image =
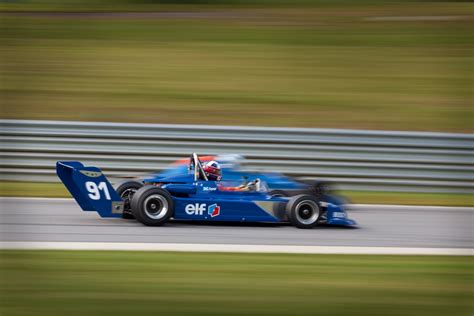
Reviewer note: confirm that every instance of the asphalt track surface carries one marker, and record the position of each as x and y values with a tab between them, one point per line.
61	220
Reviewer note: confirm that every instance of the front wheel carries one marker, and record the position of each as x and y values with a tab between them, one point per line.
152	206
303	211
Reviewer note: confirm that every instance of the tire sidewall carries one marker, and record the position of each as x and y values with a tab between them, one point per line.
138	207
291	210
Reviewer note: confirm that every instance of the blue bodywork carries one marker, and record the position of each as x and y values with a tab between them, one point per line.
274	181
82	182
207	203
193	199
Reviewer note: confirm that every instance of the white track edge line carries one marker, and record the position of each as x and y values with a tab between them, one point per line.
236	248
32	198
412	207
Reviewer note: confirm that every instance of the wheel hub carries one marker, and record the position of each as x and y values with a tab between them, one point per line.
307	212
156	206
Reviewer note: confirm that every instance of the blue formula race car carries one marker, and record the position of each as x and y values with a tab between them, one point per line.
232	170
193	196
277	183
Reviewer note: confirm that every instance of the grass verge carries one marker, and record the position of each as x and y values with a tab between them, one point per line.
408	198
327	64
166	283
43	189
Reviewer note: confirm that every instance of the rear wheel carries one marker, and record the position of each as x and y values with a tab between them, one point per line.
303	211
126	189
152	206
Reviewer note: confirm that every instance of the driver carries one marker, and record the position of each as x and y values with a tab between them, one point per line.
212	169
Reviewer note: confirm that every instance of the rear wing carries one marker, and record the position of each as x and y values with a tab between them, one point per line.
90	188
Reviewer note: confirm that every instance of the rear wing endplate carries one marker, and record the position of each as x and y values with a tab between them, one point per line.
90	188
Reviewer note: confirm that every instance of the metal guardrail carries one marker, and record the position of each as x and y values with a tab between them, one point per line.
355	159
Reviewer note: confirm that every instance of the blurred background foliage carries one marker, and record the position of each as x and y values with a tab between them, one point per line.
404	65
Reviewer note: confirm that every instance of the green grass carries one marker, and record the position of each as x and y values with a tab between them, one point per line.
119	283
163	5
317	66
33	189
39	189
407	198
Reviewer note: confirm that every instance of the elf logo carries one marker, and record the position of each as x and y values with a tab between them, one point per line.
195	209
199	208
214	210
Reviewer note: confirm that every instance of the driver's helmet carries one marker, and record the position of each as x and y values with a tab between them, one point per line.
212	169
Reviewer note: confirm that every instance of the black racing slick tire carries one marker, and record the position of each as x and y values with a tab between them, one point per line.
317	188
152	206
303	211
321	188
126	190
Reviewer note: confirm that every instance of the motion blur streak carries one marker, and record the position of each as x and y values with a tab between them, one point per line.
344	64
339	64
235	248
51	220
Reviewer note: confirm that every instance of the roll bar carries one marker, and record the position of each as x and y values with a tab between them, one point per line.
195	164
